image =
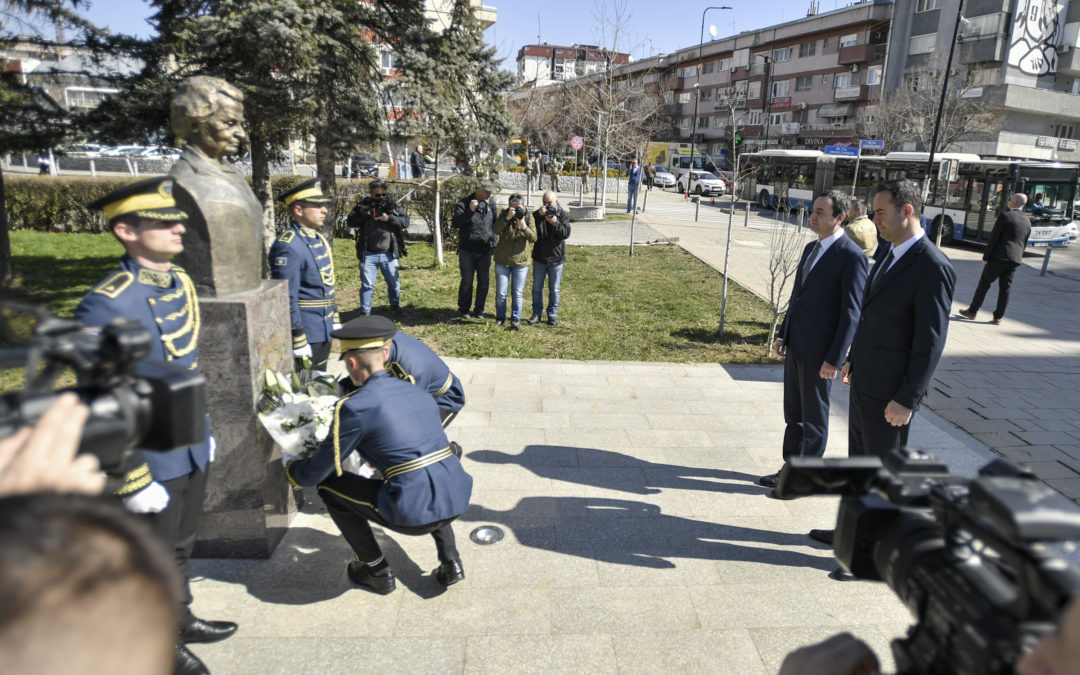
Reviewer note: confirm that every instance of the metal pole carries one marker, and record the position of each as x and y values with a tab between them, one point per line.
941	101
596	184
855	178
746	218
645	202
697	208
697	96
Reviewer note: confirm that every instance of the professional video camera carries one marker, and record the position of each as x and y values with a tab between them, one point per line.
133	402
968	557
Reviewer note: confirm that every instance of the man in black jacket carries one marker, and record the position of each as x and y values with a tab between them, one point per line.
379	223
1003	254
474	218
549	254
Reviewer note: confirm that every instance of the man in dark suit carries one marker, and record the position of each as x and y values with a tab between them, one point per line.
902	330
1003	254
818	327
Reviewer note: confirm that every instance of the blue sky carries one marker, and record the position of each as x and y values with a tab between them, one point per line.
652	26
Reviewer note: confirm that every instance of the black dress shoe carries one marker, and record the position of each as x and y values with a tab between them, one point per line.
768	481
186	663
823	536
197	630
381	582
841	574
552	321
455	448
773	494
449	573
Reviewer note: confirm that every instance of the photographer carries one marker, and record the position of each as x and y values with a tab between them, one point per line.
512	260
146	287
474	218
549	254
380	224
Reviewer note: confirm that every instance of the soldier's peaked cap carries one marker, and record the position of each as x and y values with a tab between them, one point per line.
151	199
309	191
364	332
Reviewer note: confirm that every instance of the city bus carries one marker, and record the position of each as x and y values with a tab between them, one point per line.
964	209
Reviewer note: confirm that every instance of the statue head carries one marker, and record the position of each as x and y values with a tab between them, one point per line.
208	112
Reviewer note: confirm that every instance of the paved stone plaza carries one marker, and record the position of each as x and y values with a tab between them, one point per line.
636	538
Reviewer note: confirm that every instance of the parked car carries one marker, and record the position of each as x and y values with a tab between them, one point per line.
664	178
84	150
363	166
163	152
701	183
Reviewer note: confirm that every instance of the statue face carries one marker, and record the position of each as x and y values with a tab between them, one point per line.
222	133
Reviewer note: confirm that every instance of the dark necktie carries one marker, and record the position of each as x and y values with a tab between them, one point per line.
881	272
810	260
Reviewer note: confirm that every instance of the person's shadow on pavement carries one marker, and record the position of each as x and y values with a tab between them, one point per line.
618	471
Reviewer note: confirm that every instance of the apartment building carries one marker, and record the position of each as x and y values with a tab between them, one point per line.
546	64
806	83
1020	58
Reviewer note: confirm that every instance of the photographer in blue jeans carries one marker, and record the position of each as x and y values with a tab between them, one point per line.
474	218
380	224
516	234
549	254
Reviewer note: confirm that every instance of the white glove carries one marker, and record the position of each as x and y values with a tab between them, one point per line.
302	352
213	448
151	499
337	325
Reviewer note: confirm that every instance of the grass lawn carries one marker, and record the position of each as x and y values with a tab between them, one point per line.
659	305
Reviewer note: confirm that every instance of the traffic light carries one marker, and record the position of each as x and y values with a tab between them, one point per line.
738	139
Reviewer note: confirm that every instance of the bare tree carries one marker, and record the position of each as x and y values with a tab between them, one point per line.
908	114
785	250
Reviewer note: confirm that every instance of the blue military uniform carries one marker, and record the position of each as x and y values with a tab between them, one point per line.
302	257
393	424
413	361
164	302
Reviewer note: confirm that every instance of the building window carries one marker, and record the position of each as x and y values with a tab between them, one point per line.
986	24
689	71
781	88
669	97
388	61
754	90
703	122
807	48
724	65
925	5
873	75
706	94
684	97
782	54
778	118
842	80
754	117
1064	130
707	68
849	40
805	83
922	44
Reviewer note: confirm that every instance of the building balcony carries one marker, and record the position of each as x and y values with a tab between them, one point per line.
860	54
1069	62
1029	146
850	93
1047	102
485	14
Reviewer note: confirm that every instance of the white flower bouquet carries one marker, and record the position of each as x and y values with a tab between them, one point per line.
297	411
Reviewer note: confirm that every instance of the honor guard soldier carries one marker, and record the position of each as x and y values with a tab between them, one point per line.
302	256
413	361
394	426
147	287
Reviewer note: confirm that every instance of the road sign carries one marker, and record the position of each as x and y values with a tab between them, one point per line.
841	150
949	170
576	142
872	144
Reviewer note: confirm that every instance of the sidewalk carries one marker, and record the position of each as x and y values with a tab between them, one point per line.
636	541
1013	387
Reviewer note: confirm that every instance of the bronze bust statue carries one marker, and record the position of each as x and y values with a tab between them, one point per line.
223	245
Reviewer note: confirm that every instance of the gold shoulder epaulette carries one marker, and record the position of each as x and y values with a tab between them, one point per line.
115	285
286	237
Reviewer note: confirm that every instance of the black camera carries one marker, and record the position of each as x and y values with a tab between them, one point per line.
134	402
970	558
519	213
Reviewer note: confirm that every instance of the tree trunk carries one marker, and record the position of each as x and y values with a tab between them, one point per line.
7	272
324	170
260	182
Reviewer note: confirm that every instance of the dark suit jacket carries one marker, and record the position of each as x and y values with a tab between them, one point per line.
824	311
904	322
1008	238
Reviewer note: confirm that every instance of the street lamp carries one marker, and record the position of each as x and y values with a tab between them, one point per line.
697	91
767	94
941	109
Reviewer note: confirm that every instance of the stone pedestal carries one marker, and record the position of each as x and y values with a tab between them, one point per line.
586	212
248	503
